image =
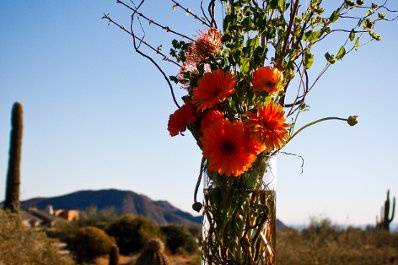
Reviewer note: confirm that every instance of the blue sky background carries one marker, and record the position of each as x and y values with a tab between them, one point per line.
96	115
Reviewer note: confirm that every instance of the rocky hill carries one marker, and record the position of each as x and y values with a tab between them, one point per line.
122	201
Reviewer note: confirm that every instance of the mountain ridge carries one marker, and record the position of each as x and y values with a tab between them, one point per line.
123	201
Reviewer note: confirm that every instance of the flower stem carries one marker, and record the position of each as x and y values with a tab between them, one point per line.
313	123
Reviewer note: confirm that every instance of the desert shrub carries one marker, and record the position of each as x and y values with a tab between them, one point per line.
132	233
321	229
179	238
24	246
63	230
89	243
195	230
101	219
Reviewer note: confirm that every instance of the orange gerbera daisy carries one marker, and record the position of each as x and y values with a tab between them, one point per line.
268	126
213	88
180	119
266	79
228	148
211	117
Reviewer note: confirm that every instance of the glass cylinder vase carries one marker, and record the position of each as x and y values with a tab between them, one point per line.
239	216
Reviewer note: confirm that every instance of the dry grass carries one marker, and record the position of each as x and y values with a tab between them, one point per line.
321	244
324	244
174	260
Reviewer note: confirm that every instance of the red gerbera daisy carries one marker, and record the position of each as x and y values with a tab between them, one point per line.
228	148
266	79
210	118
268	126
213	88
180	119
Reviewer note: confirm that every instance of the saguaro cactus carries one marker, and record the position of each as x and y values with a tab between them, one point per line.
387	213
114	256
153	254
14	172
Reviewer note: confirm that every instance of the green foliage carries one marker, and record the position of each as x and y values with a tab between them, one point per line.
11	202
89	243
178	239
101	219
22	246
327	244
132	233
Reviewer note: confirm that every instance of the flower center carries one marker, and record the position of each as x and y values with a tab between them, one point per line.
227	147
269	84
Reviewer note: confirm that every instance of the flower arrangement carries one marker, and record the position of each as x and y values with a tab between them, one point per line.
237	80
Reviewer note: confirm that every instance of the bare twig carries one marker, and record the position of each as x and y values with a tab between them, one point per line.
189	11
296	155
151	21
164	57
136	47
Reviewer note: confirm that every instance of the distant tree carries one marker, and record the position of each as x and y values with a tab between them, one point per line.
179	238
132	233
98	218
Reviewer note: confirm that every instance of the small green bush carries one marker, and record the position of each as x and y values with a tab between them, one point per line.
89	243
24	246
179	238
101	219
132	233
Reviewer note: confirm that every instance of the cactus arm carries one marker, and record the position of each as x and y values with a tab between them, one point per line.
14	173
391	218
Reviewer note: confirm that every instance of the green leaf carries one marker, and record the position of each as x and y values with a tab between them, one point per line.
330	58
340	54
311	36
349	3
375	35
352	35
356	44
244	65
173	79
335	16
308	59
281	5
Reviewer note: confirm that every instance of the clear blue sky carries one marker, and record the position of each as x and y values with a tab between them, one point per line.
96	115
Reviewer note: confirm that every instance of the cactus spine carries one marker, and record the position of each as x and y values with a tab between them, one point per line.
14	173
114	255
153	254
387	213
